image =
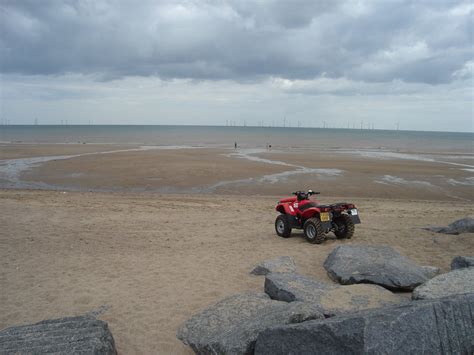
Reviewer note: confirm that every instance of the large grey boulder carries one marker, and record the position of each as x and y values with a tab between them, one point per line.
73	335
279	264
465	225
460	262
333	299
232	325
443	326
352	264
452	283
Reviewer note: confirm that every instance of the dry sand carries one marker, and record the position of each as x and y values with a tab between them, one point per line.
153	260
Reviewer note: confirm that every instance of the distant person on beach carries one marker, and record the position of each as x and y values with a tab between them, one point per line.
235	145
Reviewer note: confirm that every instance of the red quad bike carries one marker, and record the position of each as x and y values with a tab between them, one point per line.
316	220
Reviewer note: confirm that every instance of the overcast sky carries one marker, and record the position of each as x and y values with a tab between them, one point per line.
212	62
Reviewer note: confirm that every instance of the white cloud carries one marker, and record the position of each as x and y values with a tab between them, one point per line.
466	72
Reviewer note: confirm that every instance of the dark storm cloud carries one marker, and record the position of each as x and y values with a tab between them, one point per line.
372	41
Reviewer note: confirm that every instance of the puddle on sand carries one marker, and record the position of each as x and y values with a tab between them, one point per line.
469	181
395	180
248	154
398	181
278	177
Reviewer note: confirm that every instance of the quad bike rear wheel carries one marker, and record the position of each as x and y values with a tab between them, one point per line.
345	227
282	226
313	232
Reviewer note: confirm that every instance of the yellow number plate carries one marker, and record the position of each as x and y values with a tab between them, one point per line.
325	216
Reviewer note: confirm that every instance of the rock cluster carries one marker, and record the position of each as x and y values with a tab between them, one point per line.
73	335
441	326
298	314
332	299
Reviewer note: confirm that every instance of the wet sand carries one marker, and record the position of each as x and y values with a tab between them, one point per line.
358	173
152	260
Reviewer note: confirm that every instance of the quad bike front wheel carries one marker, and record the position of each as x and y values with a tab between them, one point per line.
313	232
282	226
345	227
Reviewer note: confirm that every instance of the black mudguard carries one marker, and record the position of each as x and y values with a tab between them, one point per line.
355	219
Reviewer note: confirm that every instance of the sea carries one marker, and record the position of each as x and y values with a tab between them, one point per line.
245	137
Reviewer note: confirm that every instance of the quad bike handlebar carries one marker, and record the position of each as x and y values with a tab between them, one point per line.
310	192
303	195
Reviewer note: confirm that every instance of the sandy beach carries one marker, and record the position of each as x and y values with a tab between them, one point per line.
154	260
152	235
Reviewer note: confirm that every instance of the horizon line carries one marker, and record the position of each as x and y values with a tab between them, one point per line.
225	126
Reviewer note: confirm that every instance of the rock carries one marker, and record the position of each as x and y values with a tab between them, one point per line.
443	326
351	298
460	262
453	283
430	271
291	287
352	264
232	325
279	264
465	225
333	299
73	335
